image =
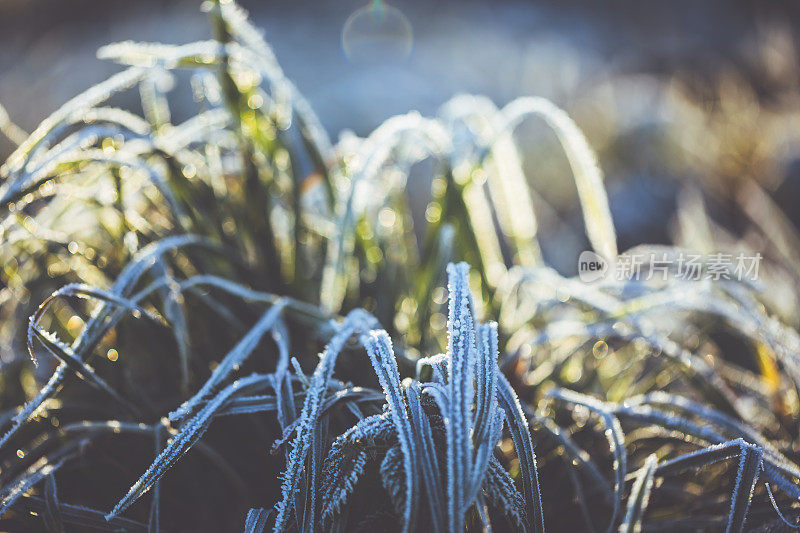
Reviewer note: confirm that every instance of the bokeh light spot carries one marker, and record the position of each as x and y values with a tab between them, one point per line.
377	33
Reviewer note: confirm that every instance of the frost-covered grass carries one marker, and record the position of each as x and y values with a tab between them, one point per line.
241	327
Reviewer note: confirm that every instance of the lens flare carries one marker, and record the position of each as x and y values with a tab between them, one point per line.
377	33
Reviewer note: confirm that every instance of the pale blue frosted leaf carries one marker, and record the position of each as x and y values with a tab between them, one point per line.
231	361
282	385
393	476
348	458
306	497
256	520
483	454
485	379
103	319
725	422
356	321
488	418
461	349
437	364
189	433
503	494
746	478
521	435
427	460
379	349
340	473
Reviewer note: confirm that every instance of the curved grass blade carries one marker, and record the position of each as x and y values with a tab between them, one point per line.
39	470
747	473
52	516
639	497
379	349
575	454
188	435
66	356
82	517
348	457
83	291
775	469
356	321
521	435
781	516
588	176
85	100
231	361
725	422
615	439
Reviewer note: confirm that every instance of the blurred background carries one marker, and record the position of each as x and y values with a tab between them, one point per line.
674	96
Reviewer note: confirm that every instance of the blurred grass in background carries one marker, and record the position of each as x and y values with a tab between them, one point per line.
665	93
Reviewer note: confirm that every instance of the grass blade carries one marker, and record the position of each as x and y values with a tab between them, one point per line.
639	497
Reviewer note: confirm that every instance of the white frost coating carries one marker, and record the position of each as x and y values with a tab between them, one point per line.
588	176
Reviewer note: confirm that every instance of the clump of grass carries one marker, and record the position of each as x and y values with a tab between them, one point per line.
190	274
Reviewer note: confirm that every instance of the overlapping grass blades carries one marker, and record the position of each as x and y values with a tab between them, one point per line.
466	453
246	220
